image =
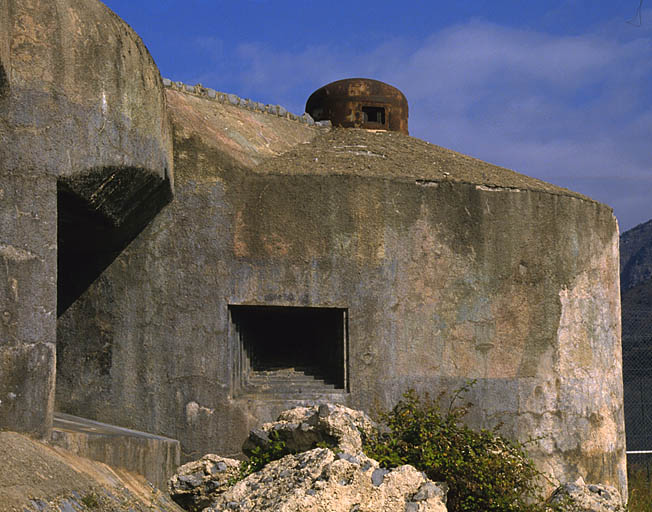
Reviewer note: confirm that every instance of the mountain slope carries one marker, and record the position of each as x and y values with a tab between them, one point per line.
636	256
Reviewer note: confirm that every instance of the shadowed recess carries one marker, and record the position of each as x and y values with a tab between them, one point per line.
98	214
4	81
306	339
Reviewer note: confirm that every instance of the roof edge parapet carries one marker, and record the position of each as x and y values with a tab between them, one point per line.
246	103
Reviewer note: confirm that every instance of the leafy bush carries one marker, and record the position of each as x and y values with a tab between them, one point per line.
90	500
484	471
260	457
276	449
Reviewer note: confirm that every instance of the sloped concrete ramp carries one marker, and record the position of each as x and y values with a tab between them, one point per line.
154	457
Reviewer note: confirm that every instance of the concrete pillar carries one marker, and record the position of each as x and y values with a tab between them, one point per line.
80	96
28	278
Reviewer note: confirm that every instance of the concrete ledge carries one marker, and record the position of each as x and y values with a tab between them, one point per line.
154	457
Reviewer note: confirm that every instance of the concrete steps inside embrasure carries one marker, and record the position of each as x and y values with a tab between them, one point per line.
290	381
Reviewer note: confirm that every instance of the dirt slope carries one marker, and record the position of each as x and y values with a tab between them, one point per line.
37	477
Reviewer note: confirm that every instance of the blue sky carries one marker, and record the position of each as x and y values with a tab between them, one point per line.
558	90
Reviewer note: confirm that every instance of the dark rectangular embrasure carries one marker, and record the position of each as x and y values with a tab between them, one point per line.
309	340
374	115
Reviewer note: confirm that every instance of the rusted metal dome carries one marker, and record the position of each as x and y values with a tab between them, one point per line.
360	103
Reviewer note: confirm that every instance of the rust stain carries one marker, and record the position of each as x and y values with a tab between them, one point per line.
275	245
240	247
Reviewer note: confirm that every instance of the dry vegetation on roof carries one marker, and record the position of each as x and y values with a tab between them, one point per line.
397	156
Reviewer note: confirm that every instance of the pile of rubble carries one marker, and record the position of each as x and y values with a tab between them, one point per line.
338	478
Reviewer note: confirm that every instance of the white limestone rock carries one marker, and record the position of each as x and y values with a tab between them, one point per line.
303	427
320	481
582	497
196	484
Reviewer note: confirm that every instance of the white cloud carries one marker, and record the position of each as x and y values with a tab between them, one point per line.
212	46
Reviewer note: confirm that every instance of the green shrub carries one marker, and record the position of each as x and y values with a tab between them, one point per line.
260	456
90	500
484	471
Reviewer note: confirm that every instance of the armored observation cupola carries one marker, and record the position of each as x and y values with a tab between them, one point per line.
360	103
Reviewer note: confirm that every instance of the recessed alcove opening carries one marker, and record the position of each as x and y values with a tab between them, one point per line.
277	347
98	213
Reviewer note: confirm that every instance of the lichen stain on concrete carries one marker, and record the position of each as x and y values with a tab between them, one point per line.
586	326
195	412
476	333
603	437
427	271
15	254
13	285
367	217
240	248
521	329
275	246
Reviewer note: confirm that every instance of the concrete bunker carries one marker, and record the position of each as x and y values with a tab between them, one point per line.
289	350
444	267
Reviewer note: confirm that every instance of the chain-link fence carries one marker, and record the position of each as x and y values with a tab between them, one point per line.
637	380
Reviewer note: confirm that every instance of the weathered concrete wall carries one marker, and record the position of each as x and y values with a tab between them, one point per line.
111	377
83	91
28	301
79	94
450	268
